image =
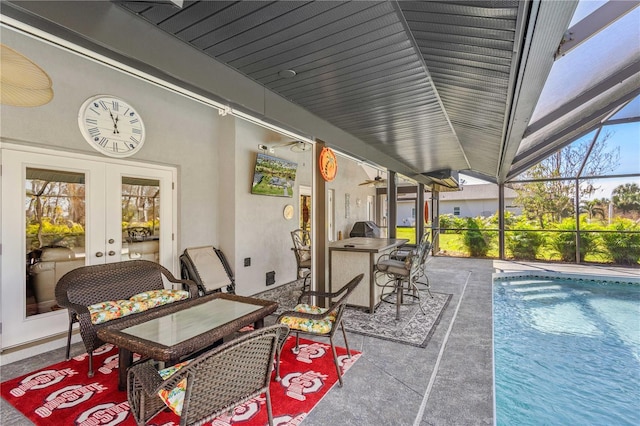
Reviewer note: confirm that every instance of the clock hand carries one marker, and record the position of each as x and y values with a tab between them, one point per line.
115	123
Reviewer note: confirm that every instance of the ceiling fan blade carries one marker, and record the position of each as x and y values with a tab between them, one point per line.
295	146
299	146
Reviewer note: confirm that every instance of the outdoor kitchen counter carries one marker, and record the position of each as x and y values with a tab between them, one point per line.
348	258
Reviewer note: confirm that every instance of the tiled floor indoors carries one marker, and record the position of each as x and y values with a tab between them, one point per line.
447	383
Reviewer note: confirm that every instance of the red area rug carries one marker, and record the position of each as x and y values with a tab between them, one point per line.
62	394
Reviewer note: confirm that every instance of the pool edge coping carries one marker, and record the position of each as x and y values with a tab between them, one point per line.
571	276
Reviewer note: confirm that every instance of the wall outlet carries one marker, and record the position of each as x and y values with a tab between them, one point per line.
247	261
271	277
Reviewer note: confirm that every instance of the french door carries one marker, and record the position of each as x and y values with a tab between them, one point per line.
60	212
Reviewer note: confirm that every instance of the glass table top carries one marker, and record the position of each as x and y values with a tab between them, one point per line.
182	325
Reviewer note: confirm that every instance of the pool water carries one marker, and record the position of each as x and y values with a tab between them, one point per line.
566	352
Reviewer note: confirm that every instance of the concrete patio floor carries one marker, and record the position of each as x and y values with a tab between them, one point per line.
449	382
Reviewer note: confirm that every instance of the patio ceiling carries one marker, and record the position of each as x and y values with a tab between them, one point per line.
415	87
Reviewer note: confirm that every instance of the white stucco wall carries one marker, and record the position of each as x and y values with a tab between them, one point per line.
259	228
350	174
180	132
214	157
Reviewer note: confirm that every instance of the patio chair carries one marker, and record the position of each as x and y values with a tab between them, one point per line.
216	381
317	321
421	279
208	267
302	250
401	270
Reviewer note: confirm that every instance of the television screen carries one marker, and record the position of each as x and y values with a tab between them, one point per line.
273	176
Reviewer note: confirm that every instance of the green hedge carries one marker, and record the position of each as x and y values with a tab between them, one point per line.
524	240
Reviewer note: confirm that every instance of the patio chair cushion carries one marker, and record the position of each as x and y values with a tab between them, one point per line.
111	309
305	253
174	398
155	298
396	267
308	325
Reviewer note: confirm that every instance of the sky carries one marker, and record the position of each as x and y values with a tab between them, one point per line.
624	136
627	137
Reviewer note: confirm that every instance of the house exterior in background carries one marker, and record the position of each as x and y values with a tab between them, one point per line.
472	201
477	200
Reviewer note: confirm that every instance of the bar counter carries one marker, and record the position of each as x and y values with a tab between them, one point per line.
348	258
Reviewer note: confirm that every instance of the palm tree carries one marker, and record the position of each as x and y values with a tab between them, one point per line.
594	208
627	197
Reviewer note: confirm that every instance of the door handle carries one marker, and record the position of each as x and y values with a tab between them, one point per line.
111	253
99	254
111	241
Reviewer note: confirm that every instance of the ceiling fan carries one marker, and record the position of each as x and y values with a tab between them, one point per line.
376	181
295	146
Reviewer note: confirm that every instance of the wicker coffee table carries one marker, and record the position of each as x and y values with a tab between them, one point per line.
183	329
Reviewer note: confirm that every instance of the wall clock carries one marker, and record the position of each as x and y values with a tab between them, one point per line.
288	212
328	164
111	126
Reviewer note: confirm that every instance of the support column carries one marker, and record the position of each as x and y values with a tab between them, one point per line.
419	213
435	220
392	204
319	234
501	220
577	206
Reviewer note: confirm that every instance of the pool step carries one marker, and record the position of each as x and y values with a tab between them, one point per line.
526	282
542	296
537	289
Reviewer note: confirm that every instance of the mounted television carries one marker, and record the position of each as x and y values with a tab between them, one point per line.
273	176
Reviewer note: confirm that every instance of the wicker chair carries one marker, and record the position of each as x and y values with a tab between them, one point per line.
84	286
217	380
302	250
302	320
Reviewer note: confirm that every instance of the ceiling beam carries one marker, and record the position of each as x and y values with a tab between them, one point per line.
584	98
545	148
592	24
546	22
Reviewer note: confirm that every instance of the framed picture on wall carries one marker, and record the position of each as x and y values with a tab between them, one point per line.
273	176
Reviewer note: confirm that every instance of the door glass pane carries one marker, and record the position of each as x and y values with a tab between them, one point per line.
55	233
305	212
140	219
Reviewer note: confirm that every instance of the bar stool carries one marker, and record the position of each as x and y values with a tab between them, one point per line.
403	271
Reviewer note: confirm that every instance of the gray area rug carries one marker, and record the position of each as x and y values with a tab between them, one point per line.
414	328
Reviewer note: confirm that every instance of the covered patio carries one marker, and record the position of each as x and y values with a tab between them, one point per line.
450	382
409	93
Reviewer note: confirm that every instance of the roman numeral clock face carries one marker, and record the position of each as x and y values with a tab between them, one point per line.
111	126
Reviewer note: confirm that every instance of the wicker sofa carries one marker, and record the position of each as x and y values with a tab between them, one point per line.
89	285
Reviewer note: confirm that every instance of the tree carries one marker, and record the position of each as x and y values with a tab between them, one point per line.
594	208
476	241
627	197
551	199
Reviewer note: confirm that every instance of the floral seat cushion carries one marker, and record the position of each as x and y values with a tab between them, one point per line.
107	311
322	326
155	298
112	309
174	398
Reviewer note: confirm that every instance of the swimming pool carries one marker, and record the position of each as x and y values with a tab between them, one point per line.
566	351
